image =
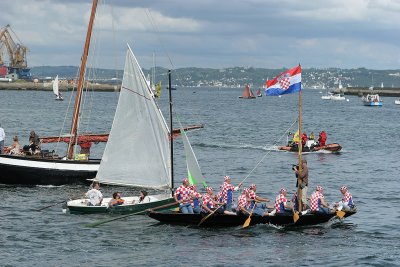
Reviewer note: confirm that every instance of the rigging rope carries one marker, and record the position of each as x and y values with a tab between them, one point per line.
269	151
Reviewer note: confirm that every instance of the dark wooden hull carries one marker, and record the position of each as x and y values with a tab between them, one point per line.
334	147
237	220
42	171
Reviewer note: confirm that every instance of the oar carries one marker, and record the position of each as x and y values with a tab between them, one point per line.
52	205
127	215
295	216
340	214
211	213
247	222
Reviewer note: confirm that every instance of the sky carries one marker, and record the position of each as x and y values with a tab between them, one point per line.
210	33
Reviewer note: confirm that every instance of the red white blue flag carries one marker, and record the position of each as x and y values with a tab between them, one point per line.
285	83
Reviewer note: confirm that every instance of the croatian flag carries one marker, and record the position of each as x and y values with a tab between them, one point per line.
285	83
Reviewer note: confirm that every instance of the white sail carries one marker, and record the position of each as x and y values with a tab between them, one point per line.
194	172
55	86
137	152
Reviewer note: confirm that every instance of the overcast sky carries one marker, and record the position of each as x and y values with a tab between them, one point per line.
211	33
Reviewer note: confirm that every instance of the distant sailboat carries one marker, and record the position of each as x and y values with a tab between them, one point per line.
259	92
56	90
247	93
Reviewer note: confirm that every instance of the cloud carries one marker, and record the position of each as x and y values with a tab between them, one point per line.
209	33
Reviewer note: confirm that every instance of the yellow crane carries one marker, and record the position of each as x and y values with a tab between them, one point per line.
16	50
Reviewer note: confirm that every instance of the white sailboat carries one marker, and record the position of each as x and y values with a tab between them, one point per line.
56	90
138	151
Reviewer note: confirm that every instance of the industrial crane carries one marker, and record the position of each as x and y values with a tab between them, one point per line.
16	52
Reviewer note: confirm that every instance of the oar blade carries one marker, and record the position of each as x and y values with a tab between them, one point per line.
247	222
340	214
296	217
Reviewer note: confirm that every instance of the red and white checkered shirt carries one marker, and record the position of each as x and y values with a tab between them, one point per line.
242	202
315	197
252	194
346	198
224	191
183	193
207	200
280	199
194	194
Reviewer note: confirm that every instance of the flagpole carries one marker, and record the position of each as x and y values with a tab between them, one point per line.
300	148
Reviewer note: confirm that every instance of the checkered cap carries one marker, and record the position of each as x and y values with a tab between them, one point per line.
185	180
319	188
253	186
226	177
282	190
343	188
209	188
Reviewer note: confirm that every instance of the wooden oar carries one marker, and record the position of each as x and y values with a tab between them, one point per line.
295	216
127	215
52	205
247	222
211	213
340	214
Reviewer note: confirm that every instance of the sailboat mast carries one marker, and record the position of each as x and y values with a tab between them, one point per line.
74	127
171	127
300	146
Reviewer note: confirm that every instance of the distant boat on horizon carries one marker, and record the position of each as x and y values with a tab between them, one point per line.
247	93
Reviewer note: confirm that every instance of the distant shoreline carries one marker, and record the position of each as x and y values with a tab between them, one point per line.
31	86
394	92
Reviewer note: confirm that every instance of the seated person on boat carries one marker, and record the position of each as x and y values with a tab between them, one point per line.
226	193
143	198
256	198
244	201
346	203
15	147
209	204
318	203
116	200
183	196
34	144
94	195
281	204
195	200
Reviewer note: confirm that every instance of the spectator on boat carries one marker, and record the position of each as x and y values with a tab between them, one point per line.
281	204
34	143
143	198
15	147
347	201
322	138
195	200
94	195
208	204
318	203
304	139
116	200
85	148
303	176
2	138
312	136
183	196
226	193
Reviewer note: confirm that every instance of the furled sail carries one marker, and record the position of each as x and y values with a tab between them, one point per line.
137	152
194	172
55	86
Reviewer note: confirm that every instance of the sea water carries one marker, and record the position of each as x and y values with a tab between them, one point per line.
239	139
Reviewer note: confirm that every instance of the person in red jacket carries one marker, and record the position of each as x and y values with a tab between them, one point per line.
322	138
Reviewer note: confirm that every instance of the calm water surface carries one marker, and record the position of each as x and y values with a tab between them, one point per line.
237	135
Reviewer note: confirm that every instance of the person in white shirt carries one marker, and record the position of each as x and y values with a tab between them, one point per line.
2	137
94	195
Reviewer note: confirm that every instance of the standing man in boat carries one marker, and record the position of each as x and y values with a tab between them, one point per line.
303	176
226	193
2	138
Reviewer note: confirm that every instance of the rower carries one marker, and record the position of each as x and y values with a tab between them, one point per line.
225	195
